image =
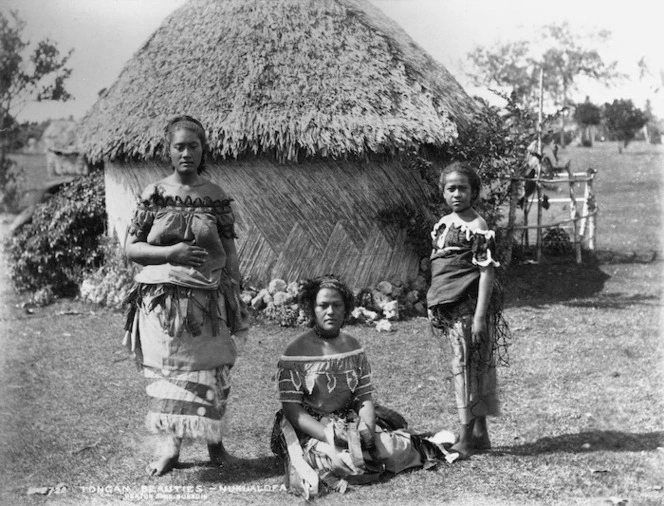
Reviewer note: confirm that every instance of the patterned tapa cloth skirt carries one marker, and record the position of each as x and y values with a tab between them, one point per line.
188	404
182	340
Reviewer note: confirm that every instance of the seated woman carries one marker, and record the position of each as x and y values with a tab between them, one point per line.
328	432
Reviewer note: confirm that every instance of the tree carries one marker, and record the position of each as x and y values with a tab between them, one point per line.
499	143
565	57
507	65
587	115
623	120
26	75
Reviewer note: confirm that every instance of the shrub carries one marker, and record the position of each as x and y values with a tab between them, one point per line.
109	284
287	315
62	241
496	143
557	242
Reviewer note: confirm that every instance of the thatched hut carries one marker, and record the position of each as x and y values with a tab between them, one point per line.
309	106
63	156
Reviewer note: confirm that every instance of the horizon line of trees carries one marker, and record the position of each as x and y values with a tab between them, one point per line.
618	121
554	64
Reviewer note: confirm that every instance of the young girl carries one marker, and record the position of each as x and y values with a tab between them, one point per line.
459	303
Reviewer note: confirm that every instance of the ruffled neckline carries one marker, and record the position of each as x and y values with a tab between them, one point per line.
158	199
462	229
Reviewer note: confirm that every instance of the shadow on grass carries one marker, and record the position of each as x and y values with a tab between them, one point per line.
625	257
614	301
245	470
583	442
535	285
562	280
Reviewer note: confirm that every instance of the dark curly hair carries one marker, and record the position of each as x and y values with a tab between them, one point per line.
190	123
465	169
309	290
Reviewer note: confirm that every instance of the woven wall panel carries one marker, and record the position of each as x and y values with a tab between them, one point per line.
298	221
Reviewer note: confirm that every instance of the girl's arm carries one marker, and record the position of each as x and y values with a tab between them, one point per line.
479	330
303	421
181	253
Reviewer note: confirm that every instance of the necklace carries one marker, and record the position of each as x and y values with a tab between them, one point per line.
325	335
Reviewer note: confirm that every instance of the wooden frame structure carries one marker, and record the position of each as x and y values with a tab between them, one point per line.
583	218
583	222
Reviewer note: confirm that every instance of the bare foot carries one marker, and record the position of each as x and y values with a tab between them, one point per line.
480	439
481	442
464	449
464	445
219	456
168	455
162	465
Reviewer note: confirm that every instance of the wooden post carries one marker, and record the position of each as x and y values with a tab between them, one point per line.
525	240
538	256
587	224
592	208
584	214
511	219
574	215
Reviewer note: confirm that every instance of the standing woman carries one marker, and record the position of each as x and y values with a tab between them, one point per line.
185	313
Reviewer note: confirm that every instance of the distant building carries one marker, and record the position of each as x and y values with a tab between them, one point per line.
63	156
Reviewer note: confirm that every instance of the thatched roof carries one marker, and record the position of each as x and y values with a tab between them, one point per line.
331	78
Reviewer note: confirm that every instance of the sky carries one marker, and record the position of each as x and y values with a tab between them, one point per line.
106	33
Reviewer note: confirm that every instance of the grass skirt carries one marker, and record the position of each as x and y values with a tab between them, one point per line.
188	404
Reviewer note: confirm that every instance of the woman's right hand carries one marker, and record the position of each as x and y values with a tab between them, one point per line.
187	254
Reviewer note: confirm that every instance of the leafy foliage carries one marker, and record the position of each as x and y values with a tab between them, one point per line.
587	113
556	242
109	284
516	65
288	315
63	240
41	76
623	120
497	143
507	66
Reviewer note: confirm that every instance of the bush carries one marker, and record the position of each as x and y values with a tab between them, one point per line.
109	284
63	240
496	143
556	242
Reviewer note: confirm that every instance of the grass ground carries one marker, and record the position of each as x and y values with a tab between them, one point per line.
582	399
